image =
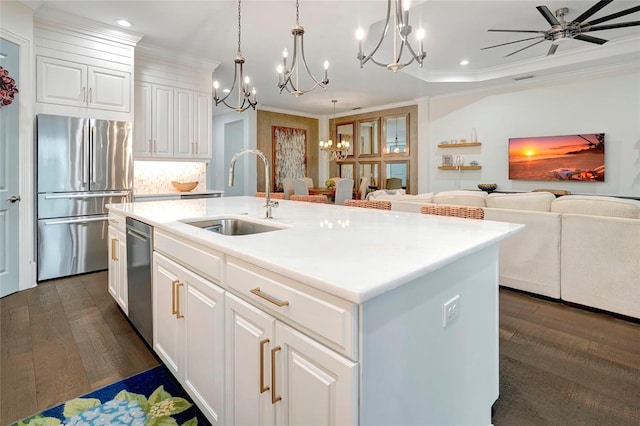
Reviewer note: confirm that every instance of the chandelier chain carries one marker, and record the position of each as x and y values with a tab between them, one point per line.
239	30
297	12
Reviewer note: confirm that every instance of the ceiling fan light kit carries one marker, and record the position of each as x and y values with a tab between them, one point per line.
562	30
401	32
246	98
289	78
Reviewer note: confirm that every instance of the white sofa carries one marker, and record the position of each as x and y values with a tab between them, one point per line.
581	249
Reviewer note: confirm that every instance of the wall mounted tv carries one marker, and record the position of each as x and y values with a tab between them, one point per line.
558	158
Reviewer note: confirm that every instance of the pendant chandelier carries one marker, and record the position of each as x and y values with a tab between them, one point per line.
341	150
401	31
246	98
289	78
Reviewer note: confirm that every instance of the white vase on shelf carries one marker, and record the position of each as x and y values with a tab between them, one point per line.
474	136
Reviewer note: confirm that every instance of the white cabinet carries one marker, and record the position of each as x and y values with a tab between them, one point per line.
75	84
278	375
153	129
172	122
188	327
117	285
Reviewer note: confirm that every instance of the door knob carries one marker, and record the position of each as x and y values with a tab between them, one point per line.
13	199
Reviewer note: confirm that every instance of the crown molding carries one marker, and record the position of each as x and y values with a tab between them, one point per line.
164	56
65	21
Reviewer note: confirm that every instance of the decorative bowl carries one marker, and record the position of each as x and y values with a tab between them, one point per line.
489	187
184	186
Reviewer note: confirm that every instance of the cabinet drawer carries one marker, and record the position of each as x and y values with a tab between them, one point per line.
329	318
118	222
205	261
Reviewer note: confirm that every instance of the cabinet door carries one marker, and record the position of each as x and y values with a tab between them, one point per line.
202	125
317	385
114	265
142	135
162	120
183	138
249	339
61	82
204	344
123	288
109	89
167	334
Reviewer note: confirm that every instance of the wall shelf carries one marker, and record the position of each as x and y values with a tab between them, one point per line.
458	145
461	167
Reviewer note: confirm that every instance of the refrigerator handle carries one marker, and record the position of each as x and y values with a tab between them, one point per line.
85	131
71	221
93	154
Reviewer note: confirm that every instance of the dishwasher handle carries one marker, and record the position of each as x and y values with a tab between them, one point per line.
137	234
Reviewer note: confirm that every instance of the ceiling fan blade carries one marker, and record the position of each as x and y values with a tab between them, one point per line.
550	17
592	10
518	31
510	42
552	49
613	26
613	16
590	39
526	47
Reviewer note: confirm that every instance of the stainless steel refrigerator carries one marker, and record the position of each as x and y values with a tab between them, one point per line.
83	164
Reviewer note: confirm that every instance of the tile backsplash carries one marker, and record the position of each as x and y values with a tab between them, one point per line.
154	177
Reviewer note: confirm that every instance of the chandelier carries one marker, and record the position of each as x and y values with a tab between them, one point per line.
288	78
246	98
341	150
401	31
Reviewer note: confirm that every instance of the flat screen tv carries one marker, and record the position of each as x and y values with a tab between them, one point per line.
558	158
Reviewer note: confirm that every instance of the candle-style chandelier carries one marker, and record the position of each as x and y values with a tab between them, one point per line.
401	31
341	150
289	78
246	98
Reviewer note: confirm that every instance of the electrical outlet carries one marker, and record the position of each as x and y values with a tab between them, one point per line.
450	310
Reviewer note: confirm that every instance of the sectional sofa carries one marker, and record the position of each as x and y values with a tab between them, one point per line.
578	248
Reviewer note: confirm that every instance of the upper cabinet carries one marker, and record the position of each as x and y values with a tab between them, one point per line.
173	109
81	72
75	84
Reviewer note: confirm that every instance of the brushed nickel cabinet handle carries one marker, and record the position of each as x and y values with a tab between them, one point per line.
84	94
91	95
263	388
274	398
178	314
268	298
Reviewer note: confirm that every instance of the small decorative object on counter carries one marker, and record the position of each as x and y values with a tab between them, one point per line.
184	186
488	187
474	136
474	163
329	183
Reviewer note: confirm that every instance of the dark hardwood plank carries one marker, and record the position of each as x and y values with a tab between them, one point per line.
17	388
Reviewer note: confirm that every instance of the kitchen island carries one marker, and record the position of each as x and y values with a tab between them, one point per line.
340	316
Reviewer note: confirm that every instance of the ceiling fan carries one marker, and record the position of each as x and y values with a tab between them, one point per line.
561	30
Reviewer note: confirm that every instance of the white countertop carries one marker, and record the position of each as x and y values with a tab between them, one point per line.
353	253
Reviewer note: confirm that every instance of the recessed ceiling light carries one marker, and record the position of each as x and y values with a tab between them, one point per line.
124	23
464	62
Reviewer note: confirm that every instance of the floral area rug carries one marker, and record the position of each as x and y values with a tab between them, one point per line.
152	397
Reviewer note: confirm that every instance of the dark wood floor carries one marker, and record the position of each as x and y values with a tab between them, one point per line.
60	340
559	365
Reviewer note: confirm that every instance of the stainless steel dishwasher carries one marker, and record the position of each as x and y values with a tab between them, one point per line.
139	254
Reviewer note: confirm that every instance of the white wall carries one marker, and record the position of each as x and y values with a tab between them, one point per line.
606	102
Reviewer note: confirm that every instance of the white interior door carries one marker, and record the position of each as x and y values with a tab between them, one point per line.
9	177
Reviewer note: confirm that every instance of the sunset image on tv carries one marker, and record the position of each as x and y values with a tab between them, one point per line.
569	158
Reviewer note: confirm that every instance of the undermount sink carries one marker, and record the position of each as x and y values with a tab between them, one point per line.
233	226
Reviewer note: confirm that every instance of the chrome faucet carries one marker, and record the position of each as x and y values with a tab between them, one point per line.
267	176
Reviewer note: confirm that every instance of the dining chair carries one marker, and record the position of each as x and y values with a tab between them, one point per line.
300	187
344	191
369	204
362	191
321	199
309	181
465	212
287	187
394	183
274	195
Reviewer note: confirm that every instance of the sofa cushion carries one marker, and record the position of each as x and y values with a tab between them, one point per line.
386	194
597	206
461	198
533	201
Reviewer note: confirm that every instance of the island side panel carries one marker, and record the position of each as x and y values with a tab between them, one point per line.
414	370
